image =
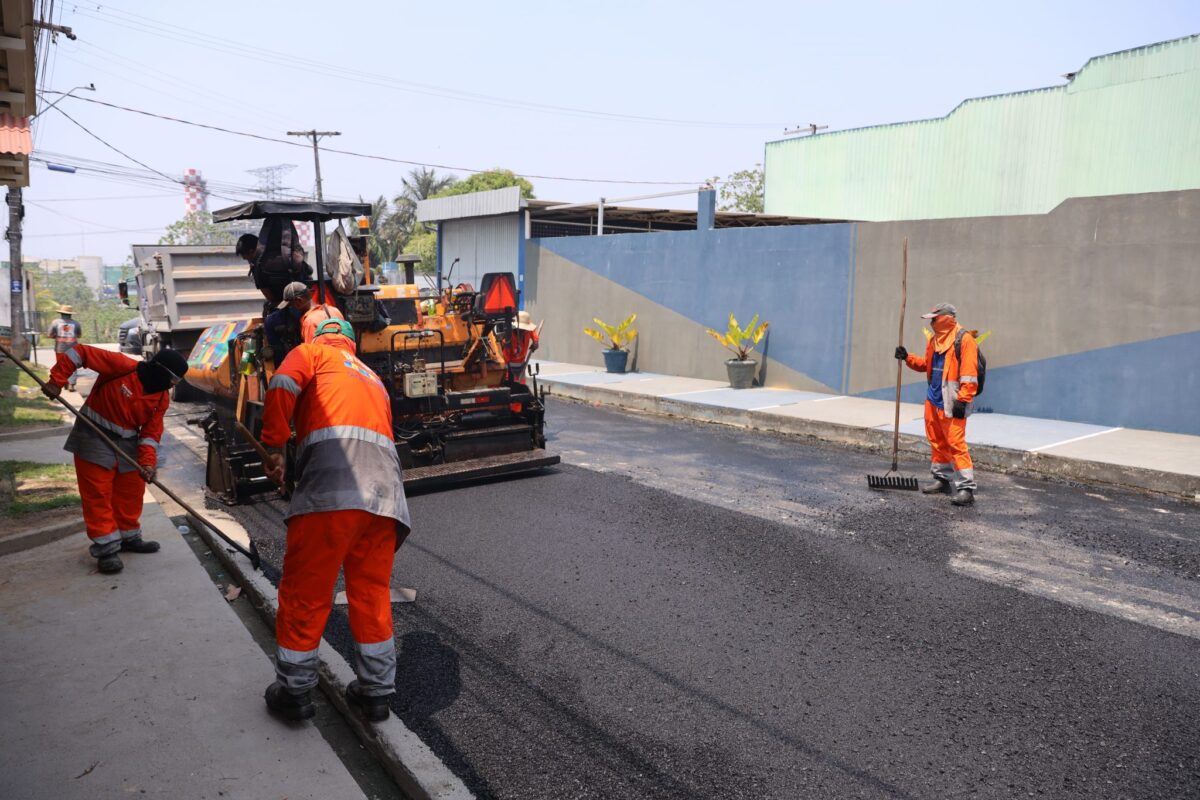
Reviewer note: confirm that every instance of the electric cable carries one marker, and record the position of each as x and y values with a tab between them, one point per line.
369	156
121	18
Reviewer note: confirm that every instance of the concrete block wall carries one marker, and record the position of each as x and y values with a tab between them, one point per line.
1094	308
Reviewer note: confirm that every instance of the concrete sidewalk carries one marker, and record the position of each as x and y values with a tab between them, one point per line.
143	683
1161	462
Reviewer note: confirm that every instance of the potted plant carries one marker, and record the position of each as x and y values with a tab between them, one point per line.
616	338
741	341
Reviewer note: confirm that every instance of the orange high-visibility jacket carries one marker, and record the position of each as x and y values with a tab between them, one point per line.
959	381
517	352
345	454
313	318
117	404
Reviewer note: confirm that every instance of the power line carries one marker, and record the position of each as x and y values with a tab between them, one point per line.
91	233
371	156
132	21
115	149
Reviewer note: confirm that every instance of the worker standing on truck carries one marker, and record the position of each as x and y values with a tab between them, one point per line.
275	263
951	366
128	402
521	345
296	319
348	512
65	332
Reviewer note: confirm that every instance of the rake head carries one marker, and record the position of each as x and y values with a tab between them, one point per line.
892	482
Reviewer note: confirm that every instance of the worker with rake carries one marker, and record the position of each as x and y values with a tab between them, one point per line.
348	511
128	403
951	368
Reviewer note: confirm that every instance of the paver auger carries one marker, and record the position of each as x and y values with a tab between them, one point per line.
440	353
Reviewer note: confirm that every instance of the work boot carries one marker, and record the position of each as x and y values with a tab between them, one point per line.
109	564
138	545
963	497
375	709
936	486
290	706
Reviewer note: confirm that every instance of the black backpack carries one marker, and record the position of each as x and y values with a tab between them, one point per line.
982	361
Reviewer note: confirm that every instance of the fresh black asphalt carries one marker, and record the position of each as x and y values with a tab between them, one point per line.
687	611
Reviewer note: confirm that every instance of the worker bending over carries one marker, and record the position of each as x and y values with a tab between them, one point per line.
128	403
296	319
347	512
952	386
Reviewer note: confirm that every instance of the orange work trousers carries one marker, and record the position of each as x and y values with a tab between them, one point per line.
112	501
950	459
318	545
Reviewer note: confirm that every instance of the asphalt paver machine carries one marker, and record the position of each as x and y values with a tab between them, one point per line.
440	352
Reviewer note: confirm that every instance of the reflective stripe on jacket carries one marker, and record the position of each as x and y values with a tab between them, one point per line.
117	404
959	381
518	350
65	333
345	454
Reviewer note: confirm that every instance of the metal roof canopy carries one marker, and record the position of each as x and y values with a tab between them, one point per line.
654	219
296	210
18	96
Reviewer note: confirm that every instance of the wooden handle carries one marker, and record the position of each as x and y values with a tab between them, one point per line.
899	362
249	437
251	553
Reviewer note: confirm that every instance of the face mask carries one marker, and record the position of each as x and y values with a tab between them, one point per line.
944	327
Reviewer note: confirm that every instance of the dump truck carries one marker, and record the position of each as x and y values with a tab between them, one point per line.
182	290
439	352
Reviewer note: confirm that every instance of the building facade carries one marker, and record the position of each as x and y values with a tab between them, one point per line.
1125	123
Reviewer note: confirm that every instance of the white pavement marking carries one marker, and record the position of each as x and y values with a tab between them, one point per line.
760	408
1076	439
827	399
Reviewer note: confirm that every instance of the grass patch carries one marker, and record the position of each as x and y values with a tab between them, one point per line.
30	488
26	406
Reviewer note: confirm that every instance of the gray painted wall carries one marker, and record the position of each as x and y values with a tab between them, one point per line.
1094	308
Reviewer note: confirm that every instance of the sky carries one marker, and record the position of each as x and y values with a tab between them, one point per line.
615	99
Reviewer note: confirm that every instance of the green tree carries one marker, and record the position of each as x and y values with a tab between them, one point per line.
741	191
99	317
424	244
197	227
496	178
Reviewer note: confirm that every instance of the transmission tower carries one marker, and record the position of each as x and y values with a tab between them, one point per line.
270	180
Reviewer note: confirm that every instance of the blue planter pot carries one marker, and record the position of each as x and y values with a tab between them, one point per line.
615	360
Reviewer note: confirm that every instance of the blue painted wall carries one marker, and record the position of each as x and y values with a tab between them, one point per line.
1154	385
798	278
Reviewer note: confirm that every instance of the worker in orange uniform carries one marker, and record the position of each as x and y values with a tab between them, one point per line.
66	333
348	512
297	313
952	387
128	402
521	344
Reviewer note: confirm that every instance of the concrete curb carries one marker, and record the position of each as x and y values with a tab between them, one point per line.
1001	459
418	772
36	433
24	540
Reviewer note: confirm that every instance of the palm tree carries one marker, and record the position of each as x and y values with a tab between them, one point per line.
421	183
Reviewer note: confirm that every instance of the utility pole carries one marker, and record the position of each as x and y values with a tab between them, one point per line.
316	136
16	272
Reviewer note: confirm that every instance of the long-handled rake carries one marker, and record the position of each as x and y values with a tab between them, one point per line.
251	553
890	481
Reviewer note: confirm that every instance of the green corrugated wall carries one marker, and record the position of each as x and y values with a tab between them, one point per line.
1128	122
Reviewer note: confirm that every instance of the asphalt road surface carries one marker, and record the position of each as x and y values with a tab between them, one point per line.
689	611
